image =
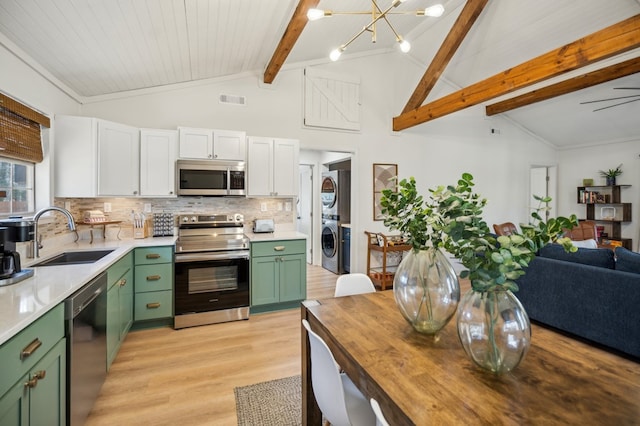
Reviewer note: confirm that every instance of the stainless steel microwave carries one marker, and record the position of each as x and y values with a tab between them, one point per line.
211	177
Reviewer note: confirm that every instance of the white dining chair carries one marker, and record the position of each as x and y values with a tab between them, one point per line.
340	401
355	283
380	420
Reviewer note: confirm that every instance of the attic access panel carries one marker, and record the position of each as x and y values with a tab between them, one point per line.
331	101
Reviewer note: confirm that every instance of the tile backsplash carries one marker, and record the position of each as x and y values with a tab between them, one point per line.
121	208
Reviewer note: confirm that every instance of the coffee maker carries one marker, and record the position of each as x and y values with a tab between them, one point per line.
13	231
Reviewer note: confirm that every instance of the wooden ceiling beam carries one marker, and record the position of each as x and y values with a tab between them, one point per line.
583	81
289	38
610	41
458	32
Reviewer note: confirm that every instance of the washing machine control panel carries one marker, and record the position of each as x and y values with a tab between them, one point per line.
327	216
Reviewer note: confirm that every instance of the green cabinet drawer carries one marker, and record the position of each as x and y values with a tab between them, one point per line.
150	255
118	269
154	277
279	247
25	349
153	305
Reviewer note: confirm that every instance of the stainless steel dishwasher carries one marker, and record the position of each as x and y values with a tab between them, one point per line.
86	322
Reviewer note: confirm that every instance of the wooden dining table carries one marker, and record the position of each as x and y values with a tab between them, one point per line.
423	379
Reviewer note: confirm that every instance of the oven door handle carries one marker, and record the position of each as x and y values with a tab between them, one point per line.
196	257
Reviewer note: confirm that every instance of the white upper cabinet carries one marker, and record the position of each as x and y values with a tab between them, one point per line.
259	166
286	168
95	158
158	154
195	143
210	144
272	167
229	145
75	156
118	159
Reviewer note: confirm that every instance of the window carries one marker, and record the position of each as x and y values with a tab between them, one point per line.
16	187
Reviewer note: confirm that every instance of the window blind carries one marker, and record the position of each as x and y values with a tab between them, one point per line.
20	131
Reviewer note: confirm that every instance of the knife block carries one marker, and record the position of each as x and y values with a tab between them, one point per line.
142	232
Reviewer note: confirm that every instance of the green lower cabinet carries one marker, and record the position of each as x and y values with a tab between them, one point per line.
265	280
39	397
33	373
154	286
293	278
119	304
278	274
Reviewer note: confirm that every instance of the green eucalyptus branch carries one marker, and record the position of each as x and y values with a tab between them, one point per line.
452	219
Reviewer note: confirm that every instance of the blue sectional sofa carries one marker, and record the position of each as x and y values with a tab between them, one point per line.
591	294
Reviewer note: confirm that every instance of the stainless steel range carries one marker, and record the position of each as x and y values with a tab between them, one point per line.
211	270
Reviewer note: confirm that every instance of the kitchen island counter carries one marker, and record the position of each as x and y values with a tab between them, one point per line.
23	303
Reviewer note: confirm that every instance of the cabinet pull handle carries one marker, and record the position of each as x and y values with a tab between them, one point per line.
153	277
279	248
38	375
32	383
123	282
30	348
153	256
154	305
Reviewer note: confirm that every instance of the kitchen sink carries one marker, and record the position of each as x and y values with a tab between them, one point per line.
75	257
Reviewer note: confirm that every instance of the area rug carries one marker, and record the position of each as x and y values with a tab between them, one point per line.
276	402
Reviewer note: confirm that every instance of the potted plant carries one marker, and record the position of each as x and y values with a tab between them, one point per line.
611	174
452	219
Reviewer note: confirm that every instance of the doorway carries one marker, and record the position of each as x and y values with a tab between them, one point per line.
304	208
321	161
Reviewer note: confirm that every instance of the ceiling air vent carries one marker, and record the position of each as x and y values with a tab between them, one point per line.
233	100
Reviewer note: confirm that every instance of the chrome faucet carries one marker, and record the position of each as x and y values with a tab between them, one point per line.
36	239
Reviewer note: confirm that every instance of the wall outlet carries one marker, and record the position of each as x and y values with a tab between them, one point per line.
263	207
287	206
280	206
67	205
107	207
147	207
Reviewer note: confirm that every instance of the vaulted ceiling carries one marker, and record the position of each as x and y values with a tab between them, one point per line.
92	48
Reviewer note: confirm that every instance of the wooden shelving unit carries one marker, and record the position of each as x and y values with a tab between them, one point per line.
612	213
382	276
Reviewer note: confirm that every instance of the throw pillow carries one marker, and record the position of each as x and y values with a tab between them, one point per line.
586	244
602	258
627	261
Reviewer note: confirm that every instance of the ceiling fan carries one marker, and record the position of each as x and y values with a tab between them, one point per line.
628	99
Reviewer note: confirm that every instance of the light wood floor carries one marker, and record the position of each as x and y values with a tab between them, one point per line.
186	377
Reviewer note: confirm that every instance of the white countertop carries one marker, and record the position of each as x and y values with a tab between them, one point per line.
275	236
24	302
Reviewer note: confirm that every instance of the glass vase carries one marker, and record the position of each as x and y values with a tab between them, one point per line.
426	290
494	329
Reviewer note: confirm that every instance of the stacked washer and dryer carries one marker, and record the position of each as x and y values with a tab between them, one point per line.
336	210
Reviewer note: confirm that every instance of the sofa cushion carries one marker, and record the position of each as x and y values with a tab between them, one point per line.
627	261
602	258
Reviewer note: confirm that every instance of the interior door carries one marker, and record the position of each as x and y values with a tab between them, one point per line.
304	208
